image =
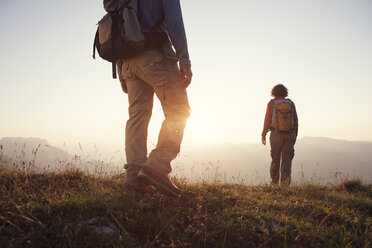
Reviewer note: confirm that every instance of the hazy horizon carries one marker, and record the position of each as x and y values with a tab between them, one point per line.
107	150
317	160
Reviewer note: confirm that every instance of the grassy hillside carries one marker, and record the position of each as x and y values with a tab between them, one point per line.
72	209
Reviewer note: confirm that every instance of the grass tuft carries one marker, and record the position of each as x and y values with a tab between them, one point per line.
354	185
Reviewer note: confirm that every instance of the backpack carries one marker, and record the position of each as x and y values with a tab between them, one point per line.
119	33
283	115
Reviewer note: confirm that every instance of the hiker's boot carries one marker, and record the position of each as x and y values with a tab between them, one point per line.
161	182
139	186
274	183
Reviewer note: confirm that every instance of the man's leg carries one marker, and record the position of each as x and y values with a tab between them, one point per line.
165	78
287	156
276	143
140	97
176	111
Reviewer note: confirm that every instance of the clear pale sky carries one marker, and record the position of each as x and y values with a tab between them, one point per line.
320	49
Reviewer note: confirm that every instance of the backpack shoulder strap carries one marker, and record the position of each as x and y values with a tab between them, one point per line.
95	44
291	119
114	70
274	116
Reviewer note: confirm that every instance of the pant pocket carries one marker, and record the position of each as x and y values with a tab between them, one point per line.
126	72
153	71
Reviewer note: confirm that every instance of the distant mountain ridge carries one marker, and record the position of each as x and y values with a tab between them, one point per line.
38	155
31	151
352	158
317	159
360	149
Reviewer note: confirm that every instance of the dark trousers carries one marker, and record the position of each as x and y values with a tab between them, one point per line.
282	153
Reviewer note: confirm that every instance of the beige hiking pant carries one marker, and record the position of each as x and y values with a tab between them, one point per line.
282	150
148	73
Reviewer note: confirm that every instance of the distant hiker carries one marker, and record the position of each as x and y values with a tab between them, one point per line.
154	59
281	119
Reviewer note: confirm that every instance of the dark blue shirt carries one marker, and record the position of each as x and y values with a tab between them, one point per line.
166	16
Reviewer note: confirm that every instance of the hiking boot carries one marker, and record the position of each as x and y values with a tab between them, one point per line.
140	187
161	182
272	183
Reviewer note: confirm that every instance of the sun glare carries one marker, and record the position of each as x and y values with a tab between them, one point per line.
202	127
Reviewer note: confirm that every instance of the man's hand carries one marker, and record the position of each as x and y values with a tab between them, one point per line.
187	74
124	87
264	140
